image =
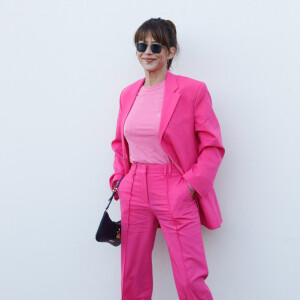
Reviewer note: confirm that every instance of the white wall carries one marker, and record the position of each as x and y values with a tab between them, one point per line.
62	67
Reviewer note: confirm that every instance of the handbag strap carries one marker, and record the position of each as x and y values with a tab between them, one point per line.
114	191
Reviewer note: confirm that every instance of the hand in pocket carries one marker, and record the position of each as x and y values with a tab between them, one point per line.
191	190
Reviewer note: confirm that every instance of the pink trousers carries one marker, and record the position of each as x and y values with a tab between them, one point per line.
152	193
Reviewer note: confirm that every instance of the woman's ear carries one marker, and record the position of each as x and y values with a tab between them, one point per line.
171	52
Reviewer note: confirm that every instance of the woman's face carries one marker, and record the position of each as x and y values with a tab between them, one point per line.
154	61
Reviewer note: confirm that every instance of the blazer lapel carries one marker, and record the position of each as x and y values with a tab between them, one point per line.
169	102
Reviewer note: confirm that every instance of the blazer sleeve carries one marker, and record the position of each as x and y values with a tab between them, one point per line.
116	146
210	149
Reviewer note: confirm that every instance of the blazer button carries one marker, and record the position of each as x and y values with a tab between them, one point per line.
124	158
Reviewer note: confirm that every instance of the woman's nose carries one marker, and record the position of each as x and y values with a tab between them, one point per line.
148	50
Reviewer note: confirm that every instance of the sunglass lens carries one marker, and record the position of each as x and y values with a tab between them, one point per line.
141	47
156	48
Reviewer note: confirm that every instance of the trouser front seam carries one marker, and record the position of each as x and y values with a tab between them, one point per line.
174	220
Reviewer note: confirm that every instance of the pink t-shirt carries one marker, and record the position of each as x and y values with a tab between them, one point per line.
141	128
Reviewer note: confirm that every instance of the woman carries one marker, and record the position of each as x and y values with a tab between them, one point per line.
168	148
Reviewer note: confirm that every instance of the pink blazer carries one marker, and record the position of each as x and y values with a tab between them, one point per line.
189	133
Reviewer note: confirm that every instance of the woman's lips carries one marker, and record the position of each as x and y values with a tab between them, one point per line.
149	60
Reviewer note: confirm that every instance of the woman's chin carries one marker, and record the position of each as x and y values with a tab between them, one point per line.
150	68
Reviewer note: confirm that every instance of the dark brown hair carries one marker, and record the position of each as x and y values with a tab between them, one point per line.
163	31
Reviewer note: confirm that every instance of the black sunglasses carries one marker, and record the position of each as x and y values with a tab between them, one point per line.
142	47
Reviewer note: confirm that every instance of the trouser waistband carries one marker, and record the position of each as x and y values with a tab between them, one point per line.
153	168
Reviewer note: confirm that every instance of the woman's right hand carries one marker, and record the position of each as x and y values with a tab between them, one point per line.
116	196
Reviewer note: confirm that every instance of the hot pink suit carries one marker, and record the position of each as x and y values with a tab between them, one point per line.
157	195
189	133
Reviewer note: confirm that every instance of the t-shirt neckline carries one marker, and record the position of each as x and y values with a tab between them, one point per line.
155	86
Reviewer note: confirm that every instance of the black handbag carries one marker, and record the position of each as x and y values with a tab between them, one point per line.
108	230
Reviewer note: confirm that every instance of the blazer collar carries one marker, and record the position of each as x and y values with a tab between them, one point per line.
169	101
